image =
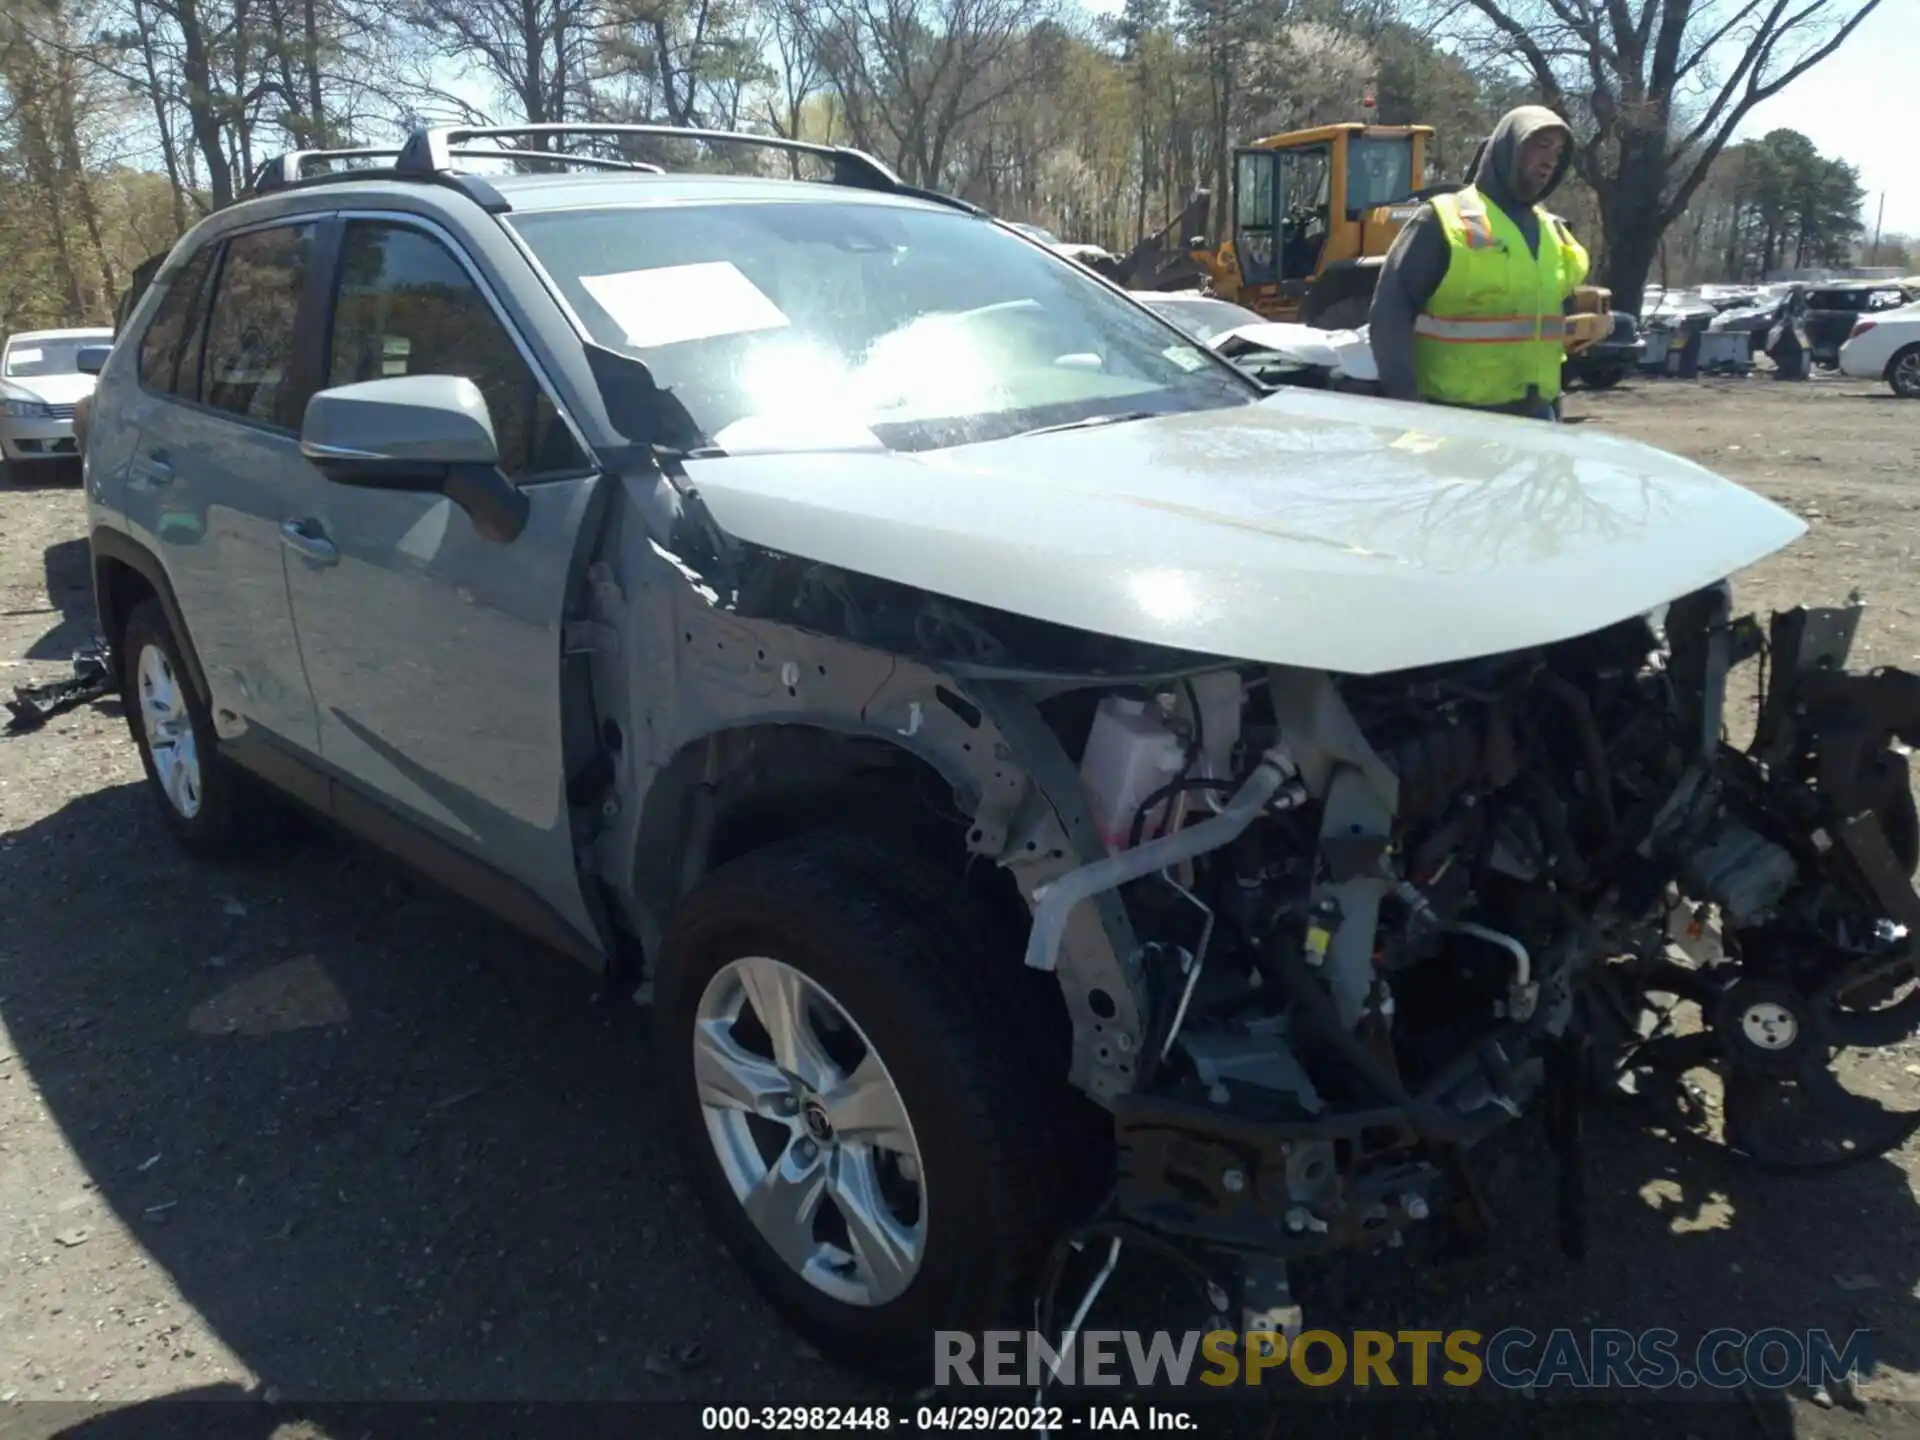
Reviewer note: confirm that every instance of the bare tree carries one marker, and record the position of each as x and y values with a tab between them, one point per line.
911	74
797	76
1656	89
537	51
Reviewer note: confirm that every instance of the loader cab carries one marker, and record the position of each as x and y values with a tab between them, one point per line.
1313	199
1282	211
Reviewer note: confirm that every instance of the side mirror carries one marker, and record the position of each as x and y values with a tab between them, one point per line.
92	359
422	433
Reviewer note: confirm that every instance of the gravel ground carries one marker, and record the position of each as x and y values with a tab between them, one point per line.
303	1131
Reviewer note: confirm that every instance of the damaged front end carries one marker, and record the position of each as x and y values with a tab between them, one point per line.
1379	917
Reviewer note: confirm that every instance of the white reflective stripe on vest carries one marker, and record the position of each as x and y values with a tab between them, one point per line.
1506	328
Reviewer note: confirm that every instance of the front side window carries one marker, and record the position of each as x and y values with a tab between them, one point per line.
406	306
247	368
173	329
791	324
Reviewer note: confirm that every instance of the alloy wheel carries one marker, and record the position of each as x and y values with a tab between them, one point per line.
168	726
811	1131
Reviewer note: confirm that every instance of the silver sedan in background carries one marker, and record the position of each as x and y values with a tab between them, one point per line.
41	384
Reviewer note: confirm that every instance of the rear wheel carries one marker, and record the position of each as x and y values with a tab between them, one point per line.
1903	374
1605	378
863	1108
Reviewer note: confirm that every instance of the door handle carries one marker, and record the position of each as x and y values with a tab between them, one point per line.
300	537
152	471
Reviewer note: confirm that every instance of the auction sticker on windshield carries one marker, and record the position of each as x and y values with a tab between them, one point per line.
1185	356
24	357
673	303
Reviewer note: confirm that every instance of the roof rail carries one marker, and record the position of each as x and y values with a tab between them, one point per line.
291	168
432	153
603	162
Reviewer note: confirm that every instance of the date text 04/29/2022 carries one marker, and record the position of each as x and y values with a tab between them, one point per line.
985	1419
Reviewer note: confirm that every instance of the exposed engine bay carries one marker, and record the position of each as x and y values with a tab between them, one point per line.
1381	917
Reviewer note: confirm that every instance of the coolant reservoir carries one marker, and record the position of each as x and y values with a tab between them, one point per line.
1130	754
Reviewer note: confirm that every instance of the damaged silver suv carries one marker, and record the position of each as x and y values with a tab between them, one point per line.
1048	783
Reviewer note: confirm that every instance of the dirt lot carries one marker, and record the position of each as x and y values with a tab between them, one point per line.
300	1130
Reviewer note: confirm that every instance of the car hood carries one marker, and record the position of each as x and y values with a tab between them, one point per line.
53	389
1310	528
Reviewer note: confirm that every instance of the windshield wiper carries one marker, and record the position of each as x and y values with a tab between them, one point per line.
1092	420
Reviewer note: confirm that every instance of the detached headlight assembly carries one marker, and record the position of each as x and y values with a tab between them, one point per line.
27	410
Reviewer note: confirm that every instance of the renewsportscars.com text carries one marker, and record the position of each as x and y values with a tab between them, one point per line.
1509	1359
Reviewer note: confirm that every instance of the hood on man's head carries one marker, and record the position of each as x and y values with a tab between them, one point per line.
1497	175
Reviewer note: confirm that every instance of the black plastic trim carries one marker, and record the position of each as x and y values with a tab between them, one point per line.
422	852
115	545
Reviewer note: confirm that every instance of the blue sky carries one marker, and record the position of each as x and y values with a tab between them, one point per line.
1863	105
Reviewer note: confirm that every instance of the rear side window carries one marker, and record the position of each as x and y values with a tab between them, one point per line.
406	306
248	365
175	323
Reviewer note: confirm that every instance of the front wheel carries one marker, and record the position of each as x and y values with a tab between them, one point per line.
866	1123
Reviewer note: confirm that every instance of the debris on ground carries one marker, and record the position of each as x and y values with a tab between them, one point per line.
34	705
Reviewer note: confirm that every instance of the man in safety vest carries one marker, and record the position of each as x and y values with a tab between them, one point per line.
1471	302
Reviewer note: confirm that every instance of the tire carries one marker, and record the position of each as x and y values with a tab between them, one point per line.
210	809
891	947
1604	379
1903	373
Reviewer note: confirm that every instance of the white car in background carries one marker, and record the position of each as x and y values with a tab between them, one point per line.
1274	351
41	385
1886	347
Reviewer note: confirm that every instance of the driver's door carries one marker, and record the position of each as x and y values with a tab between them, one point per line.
434	654
1259	200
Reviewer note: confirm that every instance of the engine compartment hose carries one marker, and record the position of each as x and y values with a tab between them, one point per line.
1522	962
1057	899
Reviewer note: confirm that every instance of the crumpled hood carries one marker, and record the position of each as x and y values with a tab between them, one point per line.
1311	528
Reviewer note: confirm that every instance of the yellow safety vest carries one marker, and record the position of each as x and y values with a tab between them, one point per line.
1495	325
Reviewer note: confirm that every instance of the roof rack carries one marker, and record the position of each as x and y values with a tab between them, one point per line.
291	168
432	153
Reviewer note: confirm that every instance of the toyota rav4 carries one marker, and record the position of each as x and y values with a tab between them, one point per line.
1047	783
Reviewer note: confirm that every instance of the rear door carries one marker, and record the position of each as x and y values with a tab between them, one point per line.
217	464
434	654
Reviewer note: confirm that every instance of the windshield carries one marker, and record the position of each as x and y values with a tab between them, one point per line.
1379	172
788	325
27	359
1204	319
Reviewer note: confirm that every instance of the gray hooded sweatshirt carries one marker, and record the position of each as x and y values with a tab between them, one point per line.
1418	261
